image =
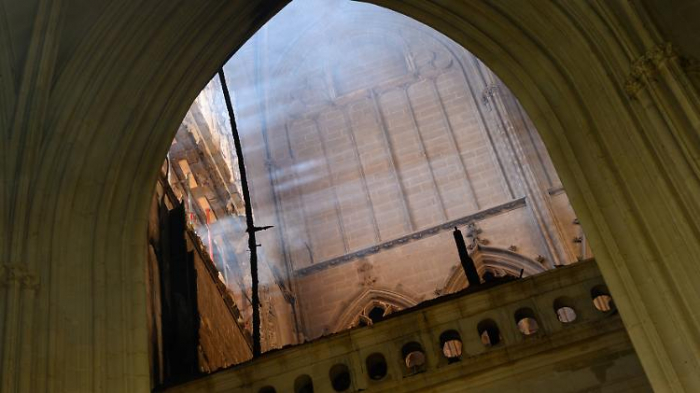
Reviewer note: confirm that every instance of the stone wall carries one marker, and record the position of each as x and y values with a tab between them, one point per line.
195	326
585	350
365	145
203	172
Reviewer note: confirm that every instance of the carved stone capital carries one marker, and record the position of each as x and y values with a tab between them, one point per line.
647	66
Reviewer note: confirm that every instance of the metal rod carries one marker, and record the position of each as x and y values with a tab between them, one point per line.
250	224
466	261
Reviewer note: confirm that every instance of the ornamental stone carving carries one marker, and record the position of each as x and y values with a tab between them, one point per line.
647	66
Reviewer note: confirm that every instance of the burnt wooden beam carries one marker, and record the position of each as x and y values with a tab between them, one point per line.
466	261
250	224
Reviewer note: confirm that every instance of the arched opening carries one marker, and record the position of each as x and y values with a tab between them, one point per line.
339	375
451	344
489	333
376	314
380	303
602	300
413	357
526	321
376	366
364	135
177	83
564	308
495	262
303	384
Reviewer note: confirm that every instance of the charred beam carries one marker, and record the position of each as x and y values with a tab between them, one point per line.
250	224
466	261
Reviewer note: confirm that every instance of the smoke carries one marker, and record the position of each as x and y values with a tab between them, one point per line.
303	161
230	254
297	175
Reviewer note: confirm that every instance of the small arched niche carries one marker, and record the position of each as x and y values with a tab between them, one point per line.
564	309
526	321
376	366
601	298
451	345
340	377
489	332
414	357
303	384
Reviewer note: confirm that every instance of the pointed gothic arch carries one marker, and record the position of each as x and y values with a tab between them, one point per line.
88	156
368	299
499	261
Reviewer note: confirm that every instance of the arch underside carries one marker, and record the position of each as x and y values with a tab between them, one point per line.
83	165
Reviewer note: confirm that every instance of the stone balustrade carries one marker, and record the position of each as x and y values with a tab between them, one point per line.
557	331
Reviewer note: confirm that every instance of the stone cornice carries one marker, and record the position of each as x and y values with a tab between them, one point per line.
511	205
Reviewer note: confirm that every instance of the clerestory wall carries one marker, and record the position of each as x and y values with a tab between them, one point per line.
368	137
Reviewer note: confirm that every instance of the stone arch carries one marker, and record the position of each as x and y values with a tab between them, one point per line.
614	106
366	300
499	261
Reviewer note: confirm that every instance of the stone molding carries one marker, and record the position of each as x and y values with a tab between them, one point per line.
365	300
511	205
495	259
